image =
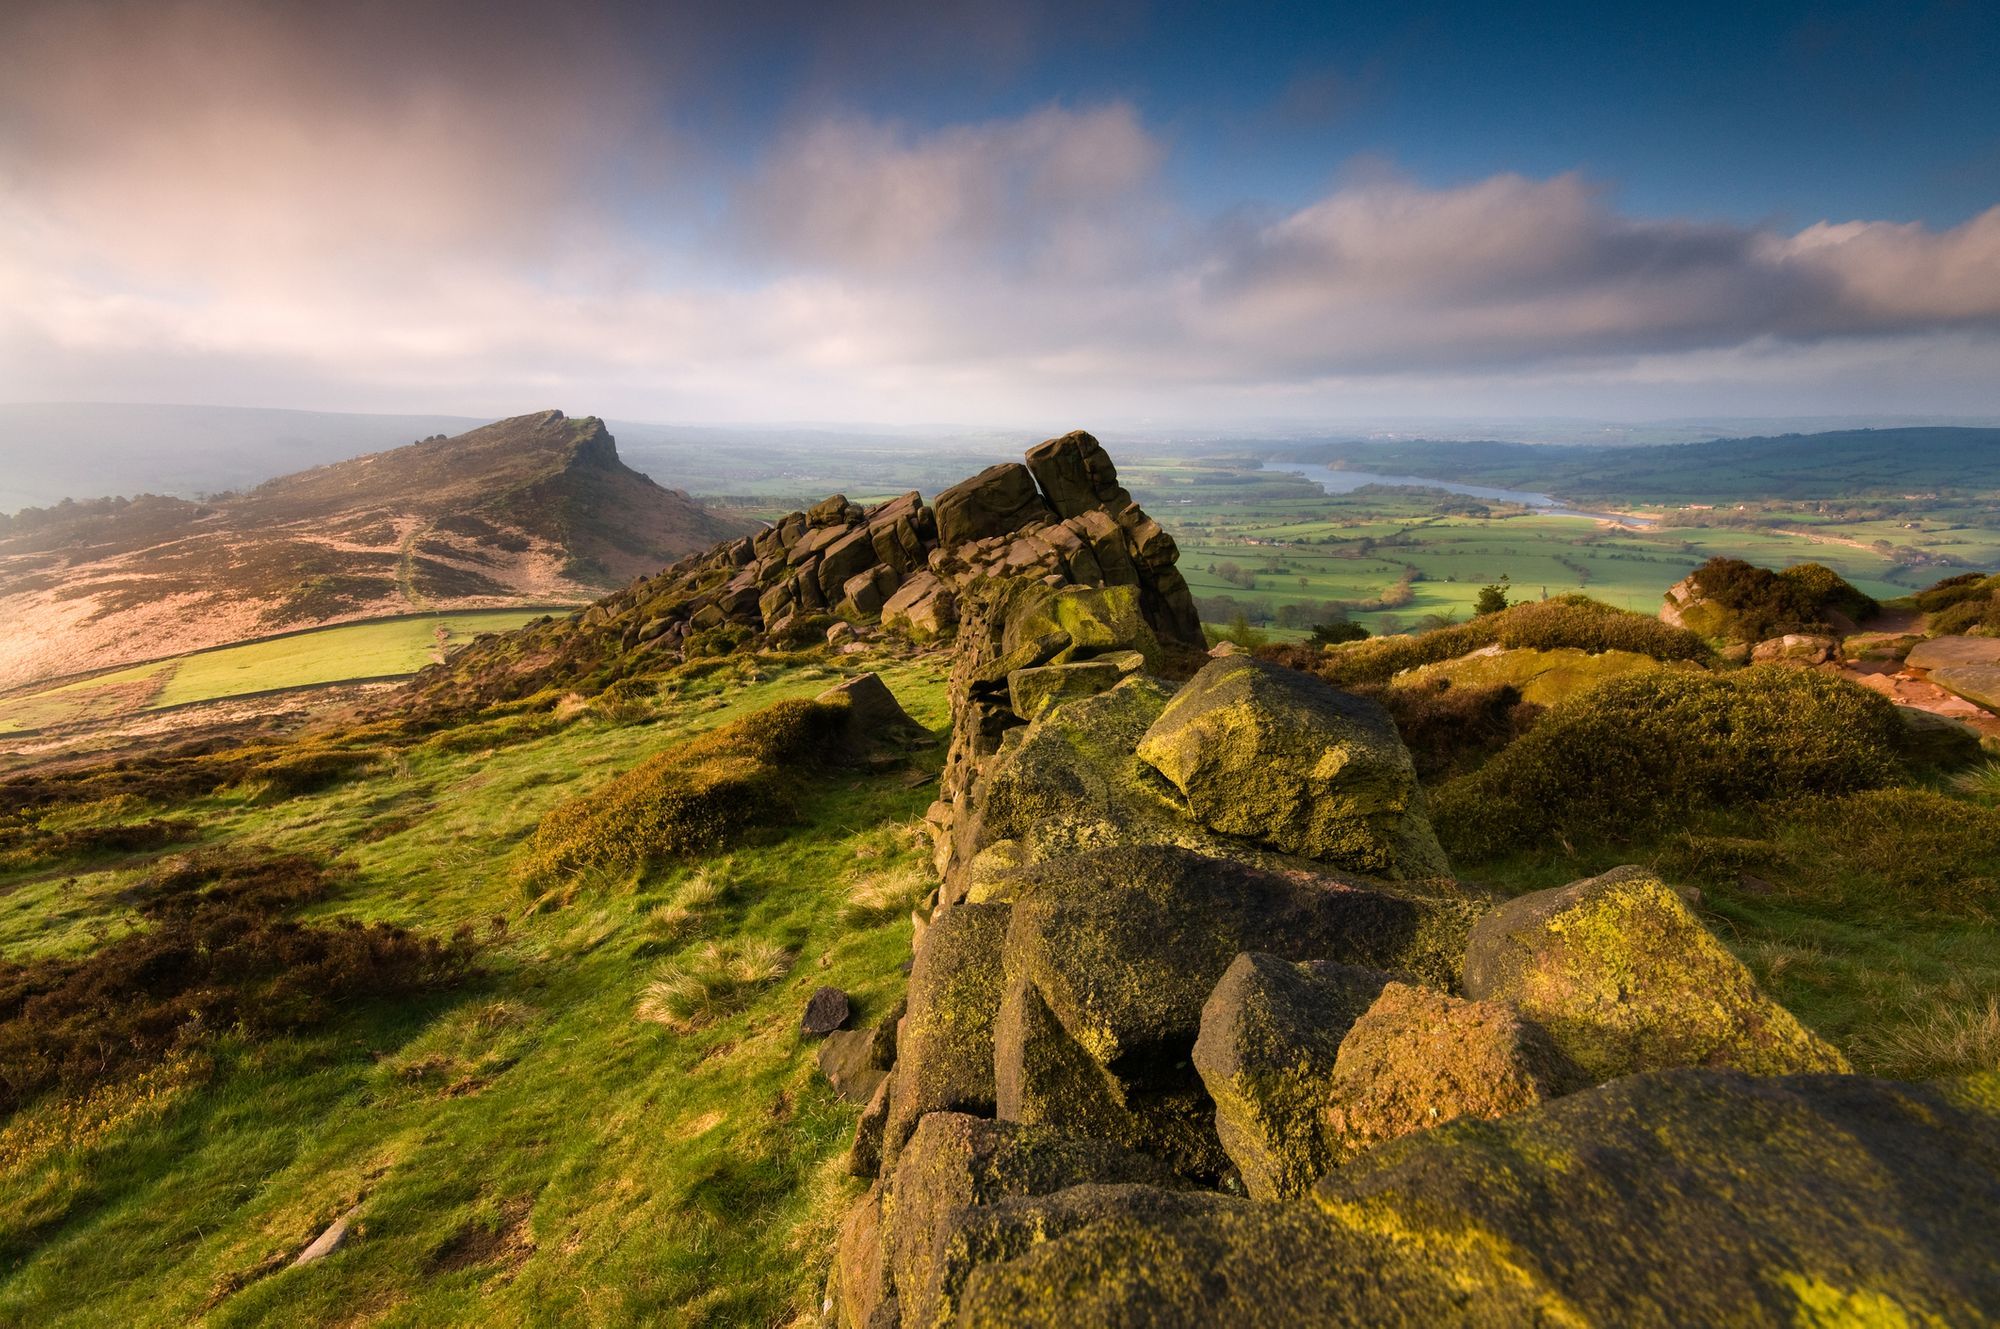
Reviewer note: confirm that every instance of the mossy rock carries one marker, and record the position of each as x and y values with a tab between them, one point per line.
1680	1197
1625	978
1071	781
1097	620
1042	1076
1126	944
944	1058
1279	757
1032	691
1270	1034
1419	1058
1542	677
956	1162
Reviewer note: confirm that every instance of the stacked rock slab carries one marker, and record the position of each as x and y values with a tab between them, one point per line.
1202	1032
909	564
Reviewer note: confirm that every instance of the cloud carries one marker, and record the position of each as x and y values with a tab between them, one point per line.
227	201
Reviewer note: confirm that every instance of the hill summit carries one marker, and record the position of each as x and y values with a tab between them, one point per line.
533	509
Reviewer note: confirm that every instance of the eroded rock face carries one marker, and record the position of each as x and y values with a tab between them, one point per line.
944	1060
1270	1036
1681	1197
1625	978
1279	757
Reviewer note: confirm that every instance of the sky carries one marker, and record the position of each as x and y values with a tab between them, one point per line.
1013	213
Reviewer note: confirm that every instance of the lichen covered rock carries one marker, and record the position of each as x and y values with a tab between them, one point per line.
1625	978
1270	1036
1419	1058
1126	944
955	1162
944	1060
1277	756
1681	1197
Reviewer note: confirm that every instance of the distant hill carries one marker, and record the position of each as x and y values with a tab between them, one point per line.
1852	463
537	509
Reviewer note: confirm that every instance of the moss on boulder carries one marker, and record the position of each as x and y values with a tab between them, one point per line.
1126	944
1270	1035
1680	1197
954	1163
1032	691
1542	677
944	1057
1096	620
1419	1058
1071	782
1625	978
1280	757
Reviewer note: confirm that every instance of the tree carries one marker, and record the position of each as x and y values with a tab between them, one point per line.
1492	598
1332	634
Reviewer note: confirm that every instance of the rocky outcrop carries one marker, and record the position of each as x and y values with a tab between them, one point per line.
1195	940
1277	756
905	565
1683	1197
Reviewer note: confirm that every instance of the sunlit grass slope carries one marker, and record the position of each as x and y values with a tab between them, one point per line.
383	649
524	1149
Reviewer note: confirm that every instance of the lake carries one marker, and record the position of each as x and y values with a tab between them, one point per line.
1342	482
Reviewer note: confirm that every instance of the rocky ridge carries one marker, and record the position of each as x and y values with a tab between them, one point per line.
1060	520
1201	1030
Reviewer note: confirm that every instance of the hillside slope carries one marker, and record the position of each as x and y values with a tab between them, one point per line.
535	509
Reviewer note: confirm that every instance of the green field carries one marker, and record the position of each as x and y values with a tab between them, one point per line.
1292	543
327	655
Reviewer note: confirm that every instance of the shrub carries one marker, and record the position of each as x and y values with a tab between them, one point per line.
30	844
216	956
1591	625
1951	591
1635	754
697	796
1450	730
1760	604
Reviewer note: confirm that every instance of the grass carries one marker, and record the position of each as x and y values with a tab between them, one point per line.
1296	545
522	1149
388	648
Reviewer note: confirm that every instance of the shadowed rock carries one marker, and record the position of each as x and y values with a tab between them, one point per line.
955	1163
944	1061
1270	1036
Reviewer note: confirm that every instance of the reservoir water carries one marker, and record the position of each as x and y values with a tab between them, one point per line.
1343	482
